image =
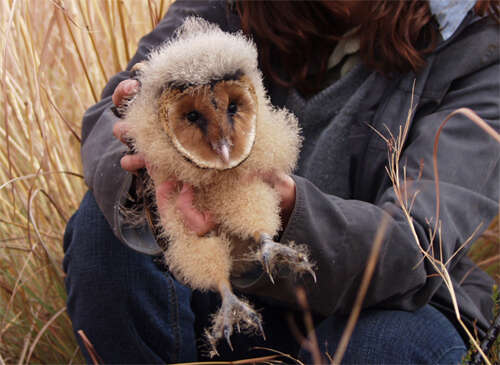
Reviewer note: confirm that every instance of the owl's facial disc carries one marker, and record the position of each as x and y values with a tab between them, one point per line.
213	126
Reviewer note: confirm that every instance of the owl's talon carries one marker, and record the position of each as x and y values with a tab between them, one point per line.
272	254
233	312
227	335
266	262
257	320
312	273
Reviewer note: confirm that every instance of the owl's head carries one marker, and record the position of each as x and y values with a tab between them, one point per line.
211	125
203	85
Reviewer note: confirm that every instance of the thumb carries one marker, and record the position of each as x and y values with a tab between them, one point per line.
163	193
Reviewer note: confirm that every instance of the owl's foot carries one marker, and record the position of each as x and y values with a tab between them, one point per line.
233	313
273	254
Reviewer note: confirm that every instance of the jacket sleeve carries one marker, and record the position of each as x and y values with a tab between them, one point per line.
101	152
340	233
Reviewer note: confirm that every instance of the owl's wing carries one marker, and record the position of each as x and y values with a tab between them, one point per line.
278	140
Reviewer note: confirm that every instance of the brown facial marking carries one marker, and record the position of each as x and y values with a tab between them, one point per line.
240	92
215	124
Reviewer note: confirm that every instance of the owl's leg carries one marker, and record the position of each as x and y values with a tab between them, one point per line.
252	212
204	263
273	254
233	312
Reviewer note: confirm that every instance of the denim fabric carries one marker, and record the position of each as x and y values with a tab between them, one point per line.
130	310
134	312
425	336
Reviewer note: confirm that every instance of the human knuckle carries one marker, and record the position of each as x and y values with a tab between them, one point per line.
125	162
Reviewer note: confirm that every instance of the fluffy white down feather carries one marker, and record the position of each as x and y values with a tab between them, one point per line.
199	53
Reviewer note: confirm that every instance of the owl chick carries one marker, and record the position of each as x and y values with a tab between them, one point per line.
203	117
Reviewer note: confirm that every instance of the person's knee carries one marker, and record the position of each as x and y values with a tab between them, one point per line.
423	336
128	308
93	261
87	231
92	253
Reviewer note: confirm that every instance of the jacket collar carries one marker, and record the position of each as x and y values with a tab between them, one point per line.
450	14
470	18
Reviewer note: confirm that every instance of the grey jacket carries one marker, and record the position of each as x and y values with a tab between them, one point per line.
462	72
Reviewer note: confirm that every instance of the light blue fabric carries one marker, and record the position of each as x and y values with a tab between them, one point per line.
450	13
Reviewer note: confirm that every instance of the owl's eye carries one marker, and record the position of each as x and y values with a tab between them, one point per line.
232	108
193	116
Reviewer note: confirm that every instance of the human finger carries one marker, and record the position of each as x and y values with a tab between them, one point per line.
124	90
269	177
132	163
164	192
285	187
120	131
199	222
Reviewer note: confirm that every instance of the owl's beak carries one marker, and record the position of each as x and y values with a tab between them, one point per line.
222	149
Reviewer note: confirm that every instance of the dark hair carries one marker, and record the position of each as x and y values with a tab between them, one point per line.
299	34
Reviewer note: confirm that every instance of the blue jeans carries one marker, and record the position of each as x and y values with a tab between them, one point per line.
135	312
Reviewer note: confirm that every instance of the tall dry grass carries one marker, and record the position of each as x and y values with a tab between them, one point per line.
56	57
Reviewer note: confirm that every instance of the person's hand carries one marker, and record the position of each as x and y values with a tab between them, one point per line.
126	89
199	222
285	186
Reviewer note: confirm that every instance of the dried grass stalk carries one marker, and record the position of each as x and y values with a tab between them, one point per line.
55	59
